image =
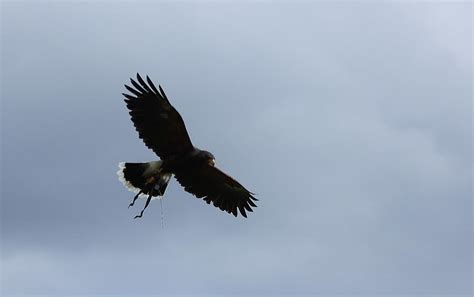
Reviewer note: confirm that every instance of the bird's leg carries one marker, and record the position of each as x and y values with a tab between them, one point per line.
135	198
146	205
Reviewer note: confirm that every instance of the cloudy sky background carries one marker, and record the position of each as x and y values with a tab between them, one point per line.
351	121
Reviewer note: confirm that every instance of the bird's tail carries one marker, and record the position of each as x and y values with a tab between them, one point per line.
144	178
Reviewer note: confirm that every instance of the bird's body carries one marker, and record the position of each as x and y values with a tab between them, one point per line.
163	130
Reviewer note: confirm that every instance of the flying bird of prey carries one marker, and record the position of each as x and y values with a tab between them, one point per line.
162	129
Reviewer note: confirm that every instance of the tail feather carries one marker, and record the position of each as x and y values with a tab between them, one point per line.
144	177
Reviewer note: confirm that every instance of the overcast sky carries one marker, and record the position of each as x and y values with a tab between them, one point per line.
351	122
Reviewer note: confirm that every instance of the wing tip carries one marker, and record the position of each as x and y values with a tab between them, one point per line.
152	85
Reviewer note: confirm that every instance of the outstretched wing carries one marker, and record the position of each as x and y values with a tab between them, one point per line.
156	120
213	185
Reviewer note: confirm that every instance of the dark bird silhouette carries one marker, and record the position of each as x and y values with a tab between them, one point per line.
162	129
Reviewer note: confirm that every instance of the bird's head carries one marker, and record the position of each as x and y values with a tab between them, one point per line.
209	157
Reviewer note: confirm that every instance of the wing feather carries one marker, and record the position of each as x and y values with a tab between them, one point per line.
137	86
213	185
151	85
163	94
132	90
145	86
157	122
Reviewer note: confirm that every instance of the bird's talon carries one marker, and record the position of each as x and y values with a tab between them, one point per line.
139	216
135	199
